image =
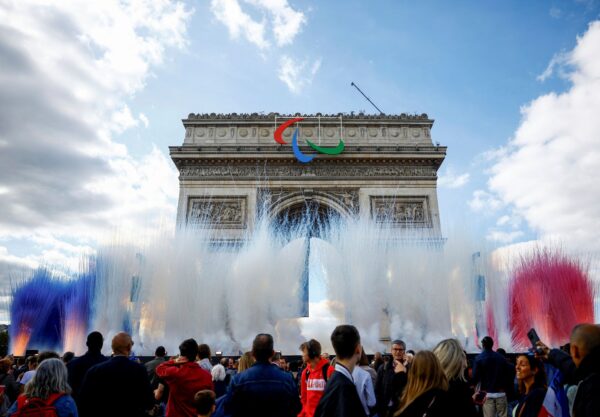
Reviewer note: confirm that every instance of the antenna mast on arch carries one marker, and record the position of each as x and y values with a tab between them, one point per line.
368	99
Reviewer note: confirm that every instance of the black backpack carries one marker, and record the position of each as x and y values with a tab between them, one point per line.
325	369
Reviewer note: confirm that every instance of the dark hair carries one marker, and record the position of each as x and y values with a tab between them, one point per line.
399	342
487	343
68	357
204	351
189	349
313	348
94	341
540	377
501	351
204	401
47	355
160	351
364	360
262	347
344	339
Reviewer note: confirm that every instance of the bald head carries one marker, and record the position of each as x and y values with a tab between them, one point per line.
122	344
584	338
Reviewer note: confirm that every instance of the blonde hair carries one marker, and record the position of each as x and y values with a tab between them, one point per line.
425	373
452	358
245	362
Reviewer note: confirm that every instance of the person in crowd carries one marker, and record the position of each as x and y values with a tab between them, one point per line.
79	366
377	361
49	387
11	388
364	379
491	371
313	377
159	357
262	390
204	357
204	402
245	362
47	354
24	378
426	390
326	355
340	398
118	386
184	378
231	368
532	386
581	368
21	368
384	384
219	378
67	357
453	361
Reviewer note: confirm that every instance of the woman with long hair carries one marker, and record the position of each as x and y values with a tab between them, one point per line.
532	386
48	387
453	361
245	362
426	390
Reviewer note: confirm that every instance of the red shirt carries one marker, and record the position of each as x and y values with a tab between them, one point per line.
184	380
312	387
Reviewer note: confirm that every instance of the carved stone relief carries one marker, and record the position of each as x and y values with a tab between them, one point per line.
217	212
347	198
400	211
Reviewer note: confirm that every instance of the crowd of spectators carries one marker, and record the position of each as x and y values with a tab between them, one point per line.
432	383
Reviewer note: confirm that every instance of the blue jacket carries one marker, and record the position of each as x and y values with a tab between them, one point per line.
492	371
262	390
65	407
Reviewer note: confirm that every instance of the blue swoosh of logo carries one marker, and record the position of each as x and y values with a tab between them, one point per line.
299	155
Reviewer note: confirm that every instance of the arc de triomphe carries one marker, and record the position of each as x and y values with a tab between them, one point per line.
231	167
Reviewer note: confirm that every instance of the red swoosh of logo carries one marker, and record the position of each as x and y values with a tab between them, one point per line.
280	129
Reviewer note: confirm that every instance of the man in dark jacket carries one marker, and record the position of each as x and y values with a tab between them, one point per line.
340	398
385	389
79	366
262	390
491	371
118	387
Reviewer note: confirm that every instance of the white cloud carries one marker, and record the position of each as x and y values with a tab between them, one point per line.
144	119
69	69
550	168
484	201
297	75
504	237
555	12
277	15
557	61
452	180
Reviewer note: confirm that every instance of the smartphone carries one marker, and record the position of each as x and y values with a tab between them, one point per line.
533	337
479	397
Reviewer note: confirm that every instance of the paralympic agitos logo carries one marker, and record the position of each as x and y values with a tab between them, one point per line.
304	158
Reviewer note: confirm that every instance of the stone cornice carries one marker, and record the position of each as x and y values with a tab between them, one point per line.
357	118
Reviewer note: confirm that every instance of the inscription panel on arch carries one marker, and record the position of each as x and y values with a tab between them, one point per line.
218	212
401	211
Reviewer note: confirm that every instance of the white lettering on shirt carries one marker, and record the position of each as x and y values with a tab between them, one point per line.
315	385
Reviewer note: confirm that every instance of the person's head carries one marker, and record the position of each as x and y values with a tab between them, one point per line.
363	360
5	364
501	351
230	363
325	355
584	338
160	352
50	377
32	362
346	342
204	402
283	363
398	350
47	354
262	347
203	351
452	358
122	344
189	349
311	351
218	373
529	372
94	341
487	343
68	357
424	374
245	362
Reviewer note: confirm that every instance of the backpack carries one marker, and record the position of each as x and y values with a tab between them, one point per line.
325	369
36	407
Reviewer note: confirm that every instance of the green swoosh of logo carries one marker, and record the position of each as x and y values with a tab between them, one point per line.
328	150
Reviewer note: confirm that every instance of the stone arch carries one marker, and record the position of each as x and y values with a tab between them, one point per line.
298	199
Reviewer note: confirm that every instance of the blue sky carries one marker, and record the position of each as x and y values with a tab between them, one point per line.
94	95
